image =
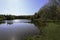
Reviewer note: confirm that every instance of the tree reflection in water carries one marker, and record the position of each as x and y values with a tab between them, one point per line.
1	22
9	22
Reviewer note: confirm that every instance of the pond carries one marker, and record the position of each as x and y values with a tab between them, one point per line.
17	29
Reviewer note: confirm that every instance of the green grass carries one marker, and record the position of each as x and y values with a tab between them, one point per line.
50	32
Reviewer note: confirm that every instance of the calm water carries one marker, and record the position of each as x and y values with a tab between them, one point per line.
16	29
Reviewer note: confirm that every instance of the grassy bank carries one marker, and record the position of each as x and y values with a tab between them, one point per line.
49	32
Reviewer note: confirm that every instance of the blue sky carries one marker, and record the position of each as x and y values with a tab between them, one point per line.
21	7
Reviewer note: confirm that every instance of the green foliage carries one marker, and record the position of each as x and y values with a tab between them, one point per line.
23	17
48	21
11	17
49	32
2	18
51	12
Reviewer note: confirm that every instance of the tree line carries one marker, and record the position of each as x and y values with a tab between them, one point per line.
11	17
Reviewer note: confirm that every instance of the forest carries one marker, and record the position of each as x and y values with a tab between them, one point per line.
47	20
11	17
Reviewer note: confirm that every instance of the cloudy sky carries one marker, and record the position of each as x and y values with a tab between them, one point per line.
21	7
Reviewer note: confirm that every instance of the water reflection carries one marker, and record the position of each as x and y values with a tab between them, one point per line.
10	22
16	30
1	22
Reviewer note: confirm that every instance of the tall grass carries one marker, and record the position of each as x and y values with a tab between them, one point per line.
50	32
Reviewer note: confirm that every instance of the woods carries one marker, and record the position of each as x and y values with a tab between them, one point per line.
11	17
49	12
47	20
